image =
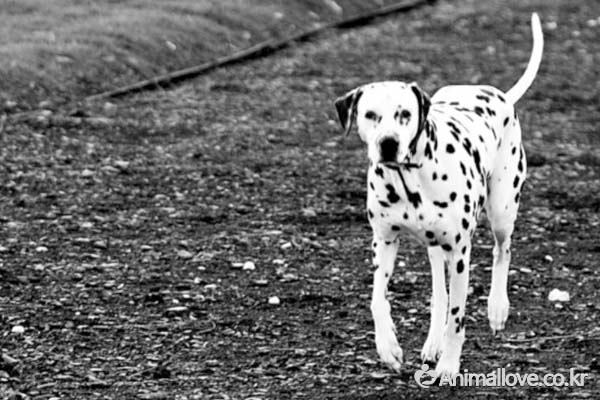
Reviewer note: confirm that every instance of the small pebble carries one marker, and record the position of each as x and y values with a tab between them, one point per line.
249	266
559	295
184	254
274	300
86	173
18	329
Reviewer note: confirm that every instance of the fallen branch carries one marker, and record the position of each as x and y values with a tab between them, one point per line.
258	50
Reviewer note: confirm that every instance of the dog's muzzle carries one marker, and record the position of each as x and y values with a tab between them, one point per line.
388	149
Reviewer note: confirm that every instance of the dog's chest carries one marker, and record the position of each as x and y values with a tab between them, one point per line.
441	198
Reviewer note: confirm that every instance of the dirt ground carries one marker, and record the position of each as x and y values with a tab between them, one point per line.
123	237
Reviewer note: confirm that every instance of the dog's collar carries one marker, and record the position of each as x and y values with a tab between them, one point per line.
405	164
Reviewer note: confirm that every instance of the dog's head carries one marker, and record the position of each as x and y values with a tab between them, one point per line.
389	116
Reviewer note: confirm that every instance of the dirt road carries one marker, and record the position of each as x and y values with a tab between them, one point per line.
123	239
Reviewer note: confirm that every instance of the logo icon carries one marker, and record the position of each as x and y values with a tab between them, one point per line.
424	376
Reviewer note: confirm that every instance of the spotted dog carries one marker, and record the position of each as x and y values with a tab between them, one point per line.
434	165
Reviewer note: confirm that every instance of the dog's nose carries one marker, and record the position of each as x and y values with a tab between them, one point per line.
389	149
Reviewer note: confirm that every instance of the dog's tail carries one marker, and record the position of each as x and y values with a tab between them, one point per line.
519	89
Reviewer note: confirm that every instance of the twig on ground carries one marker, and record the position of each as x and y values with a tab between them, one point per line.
587	335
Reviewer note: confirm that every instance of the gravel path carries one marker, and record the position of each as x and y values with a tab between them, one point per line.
125	240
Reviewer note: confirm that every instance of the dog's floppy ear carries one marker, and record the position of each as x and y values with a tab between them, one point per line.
424	103
346	108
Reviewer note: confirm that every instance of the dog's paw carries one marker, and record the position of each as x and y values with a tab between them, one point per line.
432	349
447	366
498	306
388	348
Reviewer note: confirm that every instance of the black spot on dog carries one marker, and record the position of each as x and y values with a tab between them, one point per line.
384	203
481	201
428	153
374	244
513	150
487	92
465	224
463	250
453	103
505	121
501	98
395	228
405	216
370	214
379	171
460	266
429	234
387	275
434	176
440	204
371	186
467	208
469	186
452	196
444	177
450	148
484	98
457	238
446	247
490	111
392	196
453	129
387	242
454	310
467	145
421	217
477	159
520	166
516	182
463	168
467	198
478	110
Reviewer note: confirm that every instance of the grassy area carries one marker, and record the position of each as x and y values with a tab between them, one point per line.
66	48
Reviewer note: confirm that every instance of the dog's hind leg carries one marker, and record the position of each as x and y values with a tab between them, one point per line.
505	186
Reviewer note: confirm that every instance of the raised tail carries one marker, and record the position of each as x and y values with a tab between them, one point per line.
518	90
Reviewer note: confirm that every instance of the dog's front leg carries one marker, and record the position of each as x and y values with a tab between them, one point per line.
384	257
439	305
458	258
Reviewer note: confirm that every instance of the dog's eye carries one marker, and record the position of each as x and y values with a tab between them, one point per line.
405	114
371	115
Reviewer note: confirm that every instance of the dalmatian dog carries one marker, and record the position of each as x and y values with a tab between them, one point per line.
434	165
